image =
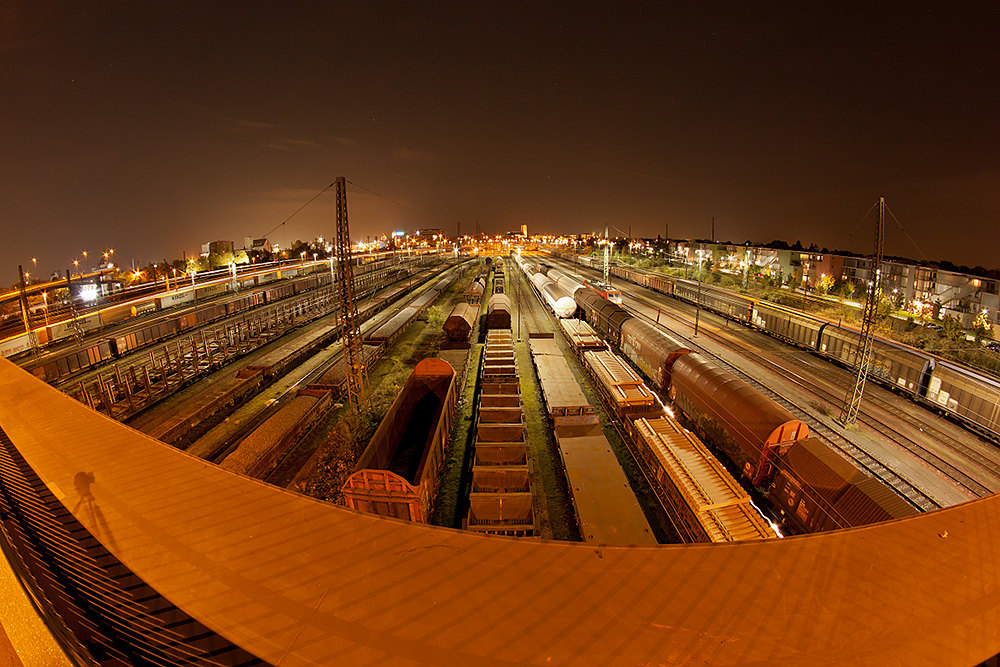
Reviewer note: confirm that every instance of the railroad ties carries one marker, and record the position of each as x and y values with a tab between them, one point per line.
500	500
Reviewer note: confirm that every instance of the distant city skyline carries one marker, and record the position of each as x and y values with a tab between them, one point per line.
154	128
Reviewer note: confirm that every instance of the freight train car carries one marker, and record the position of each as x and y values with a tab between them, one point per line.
143	336
971	396
398	471
73	362
750	428
816	489
623	390
705	503
651	350
604	316
498	312
912	372
474	292
461	321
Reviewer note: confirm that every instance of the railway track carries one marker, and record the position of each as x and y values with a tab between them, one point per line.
229	337
864	460
962	478
249	425
526	305
905	440
892	477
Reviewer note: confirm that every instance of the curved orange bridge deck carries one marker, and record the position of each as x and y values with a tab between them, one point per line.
300	582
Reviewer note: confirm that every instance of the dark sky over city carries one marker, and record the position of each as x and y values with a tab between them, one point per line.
153	127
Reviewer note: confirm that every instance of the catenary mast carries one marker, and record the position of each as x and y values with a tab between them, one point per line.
852	402
350	322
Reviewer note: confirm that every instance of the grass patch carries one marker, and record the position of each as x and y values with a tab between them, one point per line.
341	438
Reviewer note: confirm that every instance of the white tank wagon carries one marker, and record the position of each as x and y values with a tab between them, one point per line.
558	299
565	281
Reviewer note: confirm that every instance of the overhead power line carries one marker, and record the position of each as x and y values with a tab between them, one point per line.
392	201
299	209
907	234
860	222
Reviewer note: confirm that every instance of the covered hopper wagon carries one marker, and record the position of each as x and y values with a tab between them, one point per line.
498	312
460	323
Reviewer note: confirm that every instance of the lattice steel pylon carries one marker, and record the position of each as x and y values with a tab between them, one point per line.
852	402
356	376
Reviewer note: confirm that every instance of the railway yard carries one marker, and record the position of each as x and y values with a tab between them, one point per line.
930	454
511	395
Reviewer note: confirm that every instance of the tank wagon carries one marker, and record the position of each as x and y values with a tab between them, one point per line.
398	471
558	300
564	280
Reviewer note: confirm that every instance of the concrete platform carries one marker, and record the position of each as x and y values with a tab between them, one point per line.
300	582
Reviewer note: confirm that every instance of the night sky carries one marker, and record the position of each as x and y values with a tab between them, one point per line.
153	127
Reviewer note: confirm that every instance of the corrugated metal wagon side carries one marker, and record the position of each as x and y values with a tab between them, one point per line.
398	472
